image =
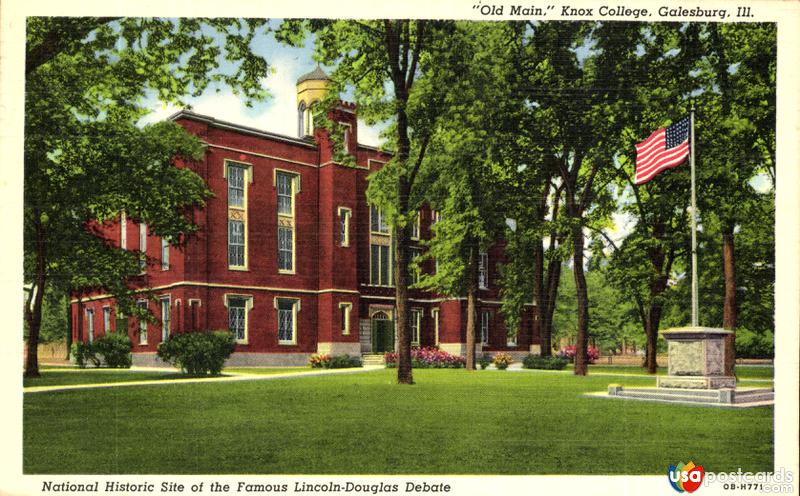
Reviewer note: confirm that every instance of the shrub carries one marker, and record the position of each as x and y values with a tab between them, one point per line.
115	349
344	362
568	352
334	362
546	363
484	361
428	358
753	345
84	354
198	353
502	360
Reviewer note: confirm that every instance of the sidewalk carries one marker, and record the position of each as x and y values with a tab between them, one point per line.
230	377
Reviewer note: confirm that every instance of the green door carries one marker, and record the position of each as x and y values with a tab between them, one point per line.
382	335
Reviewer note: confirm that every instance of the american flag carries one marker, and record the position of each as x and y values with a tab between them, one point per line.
664	149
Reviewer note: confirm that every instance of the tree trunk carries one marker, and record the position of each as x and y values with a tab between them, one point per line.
69	326
651	331
729	306
404	374
538	298
472	300
33	311
582	339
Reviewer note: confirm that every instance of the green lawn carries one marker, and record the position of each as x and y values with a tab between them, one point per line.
61	377
742	372
52	377
451	422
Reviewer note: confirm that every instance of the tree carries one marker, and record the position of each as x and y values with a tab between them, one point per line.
386	62
86	79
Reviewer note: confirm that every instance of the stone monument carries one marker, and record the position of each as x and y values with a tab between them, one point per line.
696	359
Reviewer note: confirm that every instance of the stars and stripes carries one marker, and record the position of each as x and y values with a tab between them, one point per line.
664	149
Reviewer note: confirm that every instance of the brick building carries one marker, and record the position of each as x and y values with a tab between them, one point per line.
289	255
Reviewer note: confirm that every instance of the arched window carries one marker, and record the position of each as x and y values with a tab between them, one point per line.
308	119
301	116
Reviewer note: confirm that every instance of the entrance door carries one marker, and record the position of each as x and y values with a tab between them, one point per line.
382	333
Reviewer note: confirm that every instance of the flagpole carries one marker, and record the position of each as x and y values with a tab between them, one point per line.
694	224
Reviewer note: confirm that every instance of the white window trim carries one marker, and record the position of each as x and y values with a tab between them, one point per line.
143	327
488	316
90	324
143	246
415	226
123	231
416	316
248	305
380	217
295	311
248	178
483	268
435	316
291	217
345	214
164	254
348	308
345	142
168	330
106	310
390	282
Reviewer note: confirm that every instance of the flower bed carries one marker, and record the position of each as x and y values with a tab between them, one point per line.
568	352
428	358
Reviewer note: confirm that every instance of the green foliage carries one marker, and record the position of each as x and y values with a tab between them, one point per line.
484	360
754	345
84	354
115	349
198	353
546	363
110	350
86	80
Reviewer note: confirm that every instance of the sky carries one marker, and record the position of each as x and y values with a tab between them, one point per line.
278	114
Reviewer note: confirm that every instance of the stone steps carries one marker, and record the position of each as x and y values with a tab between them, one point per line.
372	358
696	396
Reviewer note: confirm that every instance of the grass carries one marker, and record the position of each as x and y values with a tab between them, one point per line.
450	422
60	377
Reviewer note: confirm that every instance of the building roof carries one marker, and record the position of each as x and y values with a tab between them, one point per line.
317	73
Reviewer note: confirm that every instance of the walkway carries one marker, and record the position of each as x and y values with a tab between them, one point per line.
229	377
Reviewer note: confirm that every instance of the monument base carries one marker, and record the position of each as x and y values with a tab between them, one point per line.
696	382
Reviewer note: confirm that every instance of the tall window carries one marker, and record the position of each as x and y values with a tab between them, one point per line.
166	319
287	320
123	231
142	323
284	185
237	317
380	265
90	324
378	221
434	217
301	114
344	313
414	269
483	270
143	245
164	254
106	320
435	316
346	139
285	249
236	175
415	227
485	316
235	243
344	226
416	324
